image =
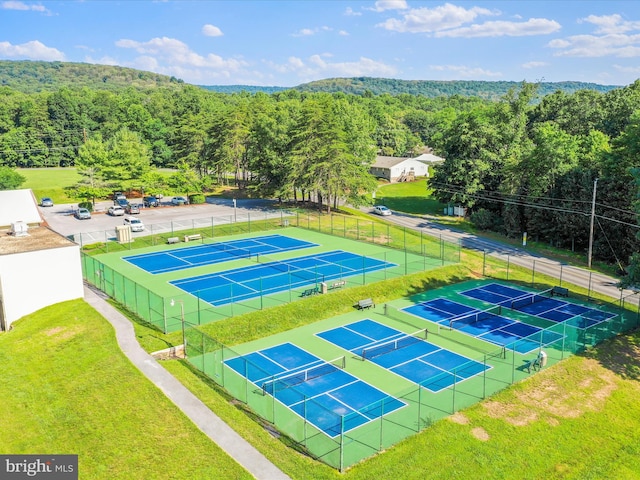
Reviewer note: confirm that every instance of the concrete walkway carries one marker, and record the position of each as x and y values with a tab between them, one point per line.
198	412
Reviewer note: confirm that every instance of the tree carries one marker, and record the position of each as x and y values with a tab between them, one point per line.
185	180
92	156
128	159
10	179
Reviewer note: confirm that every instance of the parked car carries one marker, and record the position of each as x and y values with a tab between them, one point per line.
82	214
116	211
46	202
132	208
381	210
150	201
122	202
179	201
135	224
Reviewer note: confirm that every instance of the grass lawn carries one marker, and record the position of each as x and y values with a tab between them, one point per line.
50	182
67	388
409	197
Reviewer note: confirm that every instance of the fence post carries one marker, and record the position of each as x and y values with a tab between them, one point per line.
484	263
533	273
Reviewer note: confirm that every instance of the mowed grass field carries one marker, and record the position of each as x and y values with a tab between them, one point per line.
409	197
50	182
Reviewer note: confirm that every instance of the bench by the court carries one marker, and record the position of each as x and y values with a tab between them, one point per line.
560	292
195	236
173	240
366	303
310	292
339	284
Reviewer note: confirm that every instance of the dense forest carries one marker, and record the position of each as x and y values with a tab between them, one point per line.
525	162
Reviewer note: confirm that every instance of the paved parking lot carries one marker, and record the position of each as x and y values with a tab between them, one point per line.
60	217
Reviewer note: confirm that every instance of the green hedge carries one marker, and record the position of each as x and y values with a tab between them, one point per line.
196	198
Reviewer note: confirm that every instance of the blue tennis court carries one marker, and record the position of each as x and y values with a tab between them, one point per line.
216	252
322	392
409	356
267	278
539	304
487	325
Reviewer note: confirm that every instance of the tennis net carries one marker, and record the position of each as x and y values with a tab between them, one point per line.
395	344
288	380
457	322
229	250
530	299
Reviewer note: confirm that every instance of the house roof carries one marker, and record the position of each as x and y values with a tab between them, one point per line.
18	206
388	162
429	158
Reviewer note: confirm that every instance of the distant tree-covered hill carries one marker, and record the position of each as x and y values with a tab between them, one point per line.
31	77
34	76
435	88
243	88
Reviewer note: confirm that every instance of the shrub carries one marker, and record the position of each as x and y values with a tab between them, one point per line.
196	198
485	220
87	205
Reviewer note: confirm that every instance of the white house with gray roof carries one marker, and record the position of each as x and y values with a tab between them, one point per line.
398	169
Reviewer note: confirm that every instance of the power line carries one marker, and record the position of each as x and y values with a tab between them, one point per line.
489	196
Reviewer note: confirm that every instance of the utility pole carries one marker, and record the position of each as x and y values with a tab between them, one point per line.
593	216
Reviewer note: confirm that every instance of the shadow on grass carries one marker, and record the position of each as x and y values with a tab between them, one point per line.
620	354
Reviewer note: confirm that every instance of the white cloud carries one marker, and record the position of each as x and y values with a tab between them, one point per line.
304	32
101	61
170	56
349	12
610	23
534	64
427	20
14	5
633	70
211	31
611	38
317	66
382	5
533	26
614	45
307	32
174	52
464	71
343	33
33	50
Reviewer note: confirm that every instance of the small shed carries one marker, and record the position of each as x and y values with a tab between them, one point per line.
38	267
398	169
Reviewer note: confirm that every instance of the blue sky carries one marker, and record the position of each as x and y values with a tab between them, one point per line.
286	43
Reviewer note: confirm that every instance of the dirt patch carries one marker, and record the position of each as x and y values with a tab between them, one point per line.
459	418
480	433
61	333
53	331
555	394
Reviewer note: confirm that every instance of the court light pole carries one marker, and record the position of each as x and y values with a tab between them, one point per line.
184	337
235	215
